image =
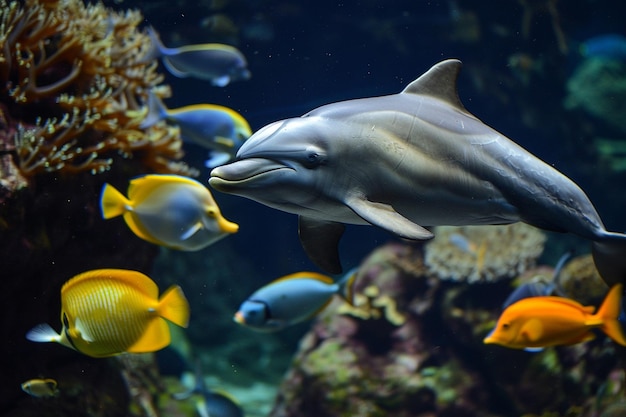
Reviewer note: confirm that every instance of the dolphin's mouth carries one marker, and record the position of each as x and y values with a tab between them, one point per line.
240	173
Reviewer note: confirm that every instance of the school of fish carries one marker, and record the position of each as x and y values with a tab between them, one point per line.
285	165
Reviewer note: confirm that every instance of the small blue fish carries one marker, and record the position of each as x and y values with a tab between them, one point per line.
168	210
211	402
611	46
539	287
215	62
292	299
217	128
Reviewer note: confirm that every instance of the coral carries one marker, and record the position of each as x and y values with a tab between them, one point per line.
581	281
434	361
483	253
598	87
73	87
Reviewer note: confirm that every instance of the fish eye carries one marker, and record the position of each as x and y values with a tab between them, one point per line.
505	326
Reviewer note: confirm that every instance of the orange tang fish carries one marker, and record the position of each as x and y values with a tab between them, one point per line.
539	322
106	312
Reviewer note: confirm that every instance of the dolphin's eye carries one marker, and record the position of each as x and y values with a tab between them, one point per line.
313	157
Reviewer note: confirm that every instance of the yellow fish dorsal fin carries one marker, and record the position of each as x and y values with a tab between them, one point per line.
565	302
174	307
310	275
156	336
532	330
141	187
97	280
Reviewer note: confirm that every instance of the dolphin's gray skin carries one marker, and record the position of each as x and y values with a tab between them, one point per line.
404	161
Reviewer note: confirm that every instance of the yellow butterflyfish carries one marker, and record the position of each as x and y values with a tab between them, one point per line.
106	312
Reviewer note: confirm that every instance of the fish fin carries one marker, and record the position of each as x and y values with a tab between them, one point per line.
221	81
172	68
174	307
609	256
156	111
534	349
192	231
608	313
43	333
217	159
225	141
81	331
384	216
346	286
201	408
155	337
532	330
156	46
320	240
112	202
439	82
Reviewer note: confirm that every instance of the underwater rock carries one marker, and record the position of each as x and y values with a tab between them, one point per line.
581	281
483	253
420	352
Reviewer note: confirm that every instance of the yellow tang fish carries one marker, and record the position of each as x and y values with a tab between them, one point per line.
106	312
538	322
168	210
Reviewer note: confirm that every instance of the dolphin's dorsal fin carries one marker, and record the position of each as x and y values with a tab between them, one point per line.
439	82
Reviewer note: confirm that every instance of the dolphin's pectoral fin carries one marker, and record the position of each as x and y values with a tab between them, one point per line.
385	217
320	240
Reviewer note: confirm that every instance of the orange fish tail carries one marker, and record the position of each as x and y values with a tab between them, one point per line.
112	202
174	307
608	313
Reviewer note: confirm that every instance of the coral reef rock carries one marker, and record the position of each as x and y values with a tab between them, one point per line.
412	346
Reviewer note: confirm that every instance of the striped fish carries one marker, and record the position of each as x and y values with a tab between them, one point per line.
106	312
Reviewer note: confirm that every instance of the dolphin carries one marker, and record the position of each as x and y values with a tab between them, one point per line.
405	162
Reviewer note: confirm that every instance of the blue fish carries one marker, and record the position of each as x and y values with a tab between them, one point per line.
539	288
292	299
217	128
612	46
215	62
211	402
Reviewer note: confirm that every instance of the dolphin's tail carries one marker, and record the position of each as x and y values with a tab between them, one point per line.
609	255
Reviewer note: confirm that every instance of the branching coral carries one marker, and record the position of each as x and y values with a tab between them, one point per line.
74	84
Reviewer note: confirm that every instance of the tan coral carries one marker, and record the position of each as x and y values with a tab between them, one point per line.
490	253
75	84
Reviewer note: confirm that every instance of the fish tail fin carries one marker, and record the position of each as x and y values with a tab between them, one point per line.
346	286
112	202
609	312
156	111
43	333
609	256
156	46
174	307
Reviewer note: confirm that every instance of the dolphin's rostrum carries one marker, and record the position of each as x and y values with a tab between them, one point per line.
404	162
